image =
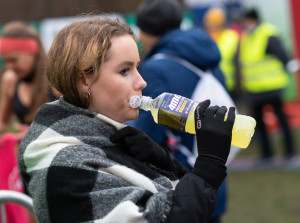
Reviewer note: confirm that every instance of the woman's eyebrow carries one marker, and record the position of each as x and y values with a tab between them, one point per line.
127	63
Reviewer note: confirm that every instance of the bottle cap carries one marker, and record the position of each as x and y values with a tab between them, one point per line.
135	101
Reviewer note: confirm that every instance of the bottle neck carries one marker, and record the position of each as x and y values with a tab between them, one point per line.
146	103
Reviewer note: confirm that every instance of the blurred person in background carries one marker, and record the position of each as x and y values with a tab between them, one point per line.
263	67
198	8
23	86
23	90
160	34
215	24
83	164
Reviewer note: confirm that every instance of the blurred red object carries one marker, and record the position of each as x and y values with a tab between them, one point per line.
10	178
292	111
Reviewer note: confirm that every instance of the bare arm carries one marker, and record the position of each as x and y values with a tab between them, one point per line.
8	85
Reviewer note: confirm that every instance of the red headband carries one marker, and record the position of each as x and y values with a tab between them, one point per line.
15	44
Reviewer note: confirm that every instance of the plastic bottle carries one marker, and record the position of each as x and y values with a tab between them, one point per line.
177	112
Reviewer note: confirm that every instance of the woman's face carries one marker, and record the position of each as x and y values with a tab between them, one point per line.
118	80
20	62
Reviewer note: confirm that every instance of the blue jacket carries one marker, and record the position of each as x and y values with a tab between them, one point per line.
165	75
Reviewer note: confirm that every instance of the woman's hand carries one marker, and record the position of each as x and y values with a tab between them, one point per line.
142	147
213	133
213	142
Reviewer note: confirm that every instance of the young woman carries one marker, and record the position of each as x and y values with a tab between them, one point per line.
23	86
82	164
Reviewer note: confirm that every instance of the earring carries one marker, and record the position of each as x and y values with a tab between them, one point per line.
88	94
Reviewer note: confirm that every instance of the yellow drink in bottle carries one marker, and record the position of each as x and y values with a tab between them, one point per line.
177	112
242	131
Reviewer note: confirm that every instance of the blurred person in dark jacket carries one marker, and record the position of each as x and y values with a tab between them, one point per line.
160	34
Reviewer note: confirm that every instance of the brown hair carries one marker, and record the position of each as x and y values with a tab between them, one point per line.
40	83
81	47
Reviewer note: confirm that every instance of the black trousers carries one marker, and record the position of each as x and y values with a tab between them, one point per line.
275	102
215	220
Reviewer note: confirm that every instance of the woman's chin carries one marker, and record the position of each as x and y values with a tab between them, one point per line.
134	115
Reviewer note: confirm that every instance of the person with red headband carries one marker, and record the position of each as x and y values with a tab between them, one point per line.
23	87
23	90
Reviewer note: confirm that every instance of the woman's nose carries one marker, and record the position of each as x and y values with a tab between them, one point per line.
141	83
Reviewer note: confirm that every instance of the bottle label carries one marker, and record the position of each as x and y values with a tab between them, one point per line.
174	110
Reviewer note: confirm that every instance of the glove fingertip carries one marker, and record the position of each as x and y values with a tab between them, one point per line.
211	111
231	114
231	111
220	114
201	107
206	102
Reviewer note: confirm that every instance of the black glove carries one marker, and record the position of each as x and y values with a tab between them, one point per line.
213	141
214	134
142	147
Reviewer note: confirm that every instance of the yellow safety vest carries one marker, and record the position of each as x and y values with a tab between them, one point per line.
261	72
228	43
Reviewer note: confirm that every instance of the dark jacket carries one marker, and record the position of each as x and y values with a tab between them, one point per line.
164	75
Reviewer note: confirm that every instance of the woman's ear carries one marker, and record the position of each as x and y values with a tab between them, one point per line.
84	81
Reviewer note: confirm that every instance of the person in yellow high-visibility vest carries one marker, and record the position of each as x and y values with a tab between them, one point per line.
263	61
228	42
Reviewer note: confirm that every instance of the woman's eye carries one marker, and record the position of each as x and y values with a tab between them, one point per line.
124	71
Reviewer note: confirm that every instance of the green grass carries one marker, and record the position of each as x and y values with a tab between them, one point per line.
264	196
